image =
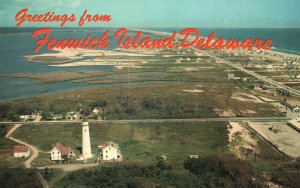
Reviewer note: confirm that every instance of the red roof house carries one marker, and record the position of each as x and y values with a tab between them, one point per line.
21	151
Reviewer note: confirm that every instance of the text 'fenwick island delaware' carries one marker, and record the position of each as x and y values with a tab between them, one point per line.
191	36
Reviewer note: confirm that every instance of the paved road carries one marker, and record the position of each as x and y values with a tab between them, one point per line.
263	78
234	119
260	77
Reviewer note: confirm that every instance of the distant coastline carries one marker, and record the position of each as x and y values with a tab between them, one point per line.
284	39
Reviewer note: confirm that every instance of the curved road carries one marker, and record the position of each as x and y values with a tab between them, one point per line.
34	153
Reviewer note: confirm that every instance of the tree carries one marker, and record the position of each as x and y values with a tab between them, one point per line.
13	115
224	170
86	110
46	115
163	166
99	103
2	130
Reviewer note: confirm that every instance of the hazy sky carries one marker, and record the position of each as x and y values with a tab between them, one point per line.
165	13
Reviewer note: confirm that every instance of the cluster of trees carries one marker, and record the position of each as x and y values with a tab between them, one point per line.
287	174
18	177
226	171
154	106
13	112
3	130
88	109
118	107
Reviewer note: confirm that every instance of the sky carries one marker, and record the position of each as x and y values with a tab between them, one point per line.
164	13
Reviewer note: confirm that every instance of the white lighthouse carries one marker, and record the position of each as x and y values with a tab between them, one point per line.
86	141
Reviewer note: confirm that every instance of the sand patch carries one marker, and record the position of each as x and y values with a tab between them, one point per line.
193	90
240	140
266	99
188	69
96	57
244	97
248	111
281	135
224	113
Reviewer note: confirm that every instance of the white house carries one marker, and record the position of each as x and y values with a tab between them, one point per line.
193	156
27	117
109	152
60	152
72	115
97	111
21	151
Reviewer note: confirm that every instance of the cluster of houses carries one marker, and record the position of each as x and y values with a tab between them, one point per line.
267	88
293	108
31	117
71	115
109	152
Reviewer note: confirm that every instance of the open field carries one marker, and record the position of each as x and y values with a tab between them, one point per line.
281	135
152	100
138	142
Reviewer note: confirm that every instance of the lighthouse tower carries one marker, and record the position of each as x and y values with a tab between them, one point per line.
86	141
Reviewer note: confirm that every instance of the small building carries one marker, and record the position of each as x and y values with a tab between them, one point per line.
163	157
72	115
269	67
52	116
57	117
97	111
60	152
21	151
109	152
27	117
193	156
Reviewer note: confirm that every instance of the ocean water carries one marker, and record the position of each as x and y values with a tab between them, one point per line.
17	43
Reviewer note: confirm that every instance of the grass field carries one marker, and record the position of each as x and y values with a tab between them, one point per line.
138	142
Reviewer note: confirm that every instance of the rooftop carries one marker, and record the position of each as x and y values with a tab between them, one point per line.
20	149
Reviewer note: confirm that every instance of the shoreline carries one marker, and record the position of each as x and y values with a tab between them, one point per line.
272	52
